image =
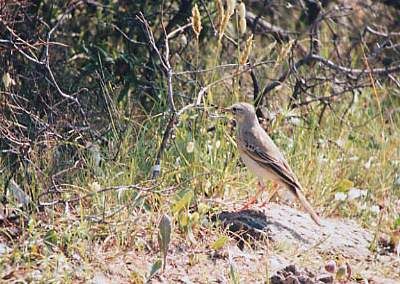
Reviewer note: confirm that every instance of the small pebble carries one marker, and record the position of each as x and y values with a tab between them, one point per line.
330	266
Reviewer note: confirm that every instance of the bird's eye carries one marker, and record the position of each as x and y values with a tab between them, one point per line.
234	109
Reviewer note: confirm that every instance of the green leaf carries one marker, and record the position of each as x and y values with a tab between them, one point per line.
51	237
183	220
341	272
164	237
344	185
154	268
233	274
218	244
397	222
183	202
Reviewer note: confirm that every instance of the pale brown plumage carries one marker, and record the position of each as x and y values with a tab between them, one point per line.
262	156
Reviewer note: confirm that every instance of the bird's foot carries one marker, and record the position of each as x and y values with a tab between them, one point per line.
274	196
265	203
252	200
249	203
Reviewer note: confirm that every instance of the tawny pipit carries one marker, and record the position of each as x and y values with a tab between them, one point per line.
262	156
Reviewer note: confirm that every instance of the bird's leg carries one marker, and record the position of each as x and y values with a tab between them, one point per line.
274	195
253	199
275	187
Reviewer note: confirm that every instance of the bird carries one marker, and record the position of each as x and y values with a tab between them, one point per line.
262	157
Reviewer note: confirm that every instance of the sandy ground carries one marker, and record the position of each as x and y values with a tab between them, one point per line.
285	236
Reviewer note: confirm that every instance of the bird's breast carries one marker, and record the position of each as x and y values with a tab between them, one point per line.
259	170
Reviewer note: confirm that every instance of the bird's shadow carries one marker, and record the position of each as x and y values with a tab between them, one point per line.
251	224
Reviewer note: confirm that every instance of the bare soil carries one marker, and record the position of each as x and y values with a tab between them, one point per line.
281	244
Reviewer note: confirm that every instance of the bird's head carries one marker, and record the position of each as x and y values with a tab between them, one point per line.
242	111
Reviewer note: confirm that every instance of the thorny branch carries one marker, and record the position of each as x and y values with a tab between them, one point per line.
261	26
352	73
322	14
46	60
29	123
169	73
71	7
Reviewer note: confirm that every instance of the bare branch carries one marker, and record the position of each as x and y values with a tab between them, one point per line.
167	69
378	33
126	36
351	72
163	59
262	26
178	30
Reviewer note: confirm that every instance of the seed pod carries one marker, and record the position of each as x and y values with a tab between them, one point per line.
223	26
244	56
242	18
220	13
196	20
230	7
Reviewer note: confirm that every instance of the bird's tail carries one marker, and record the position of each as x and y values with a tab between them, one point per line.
307	206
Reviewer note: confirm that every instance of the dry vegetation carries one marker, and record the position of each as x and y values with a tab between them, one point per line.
109	121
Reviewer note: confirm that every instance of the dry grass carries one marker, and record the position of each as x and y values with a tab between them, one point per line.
114	230
113	234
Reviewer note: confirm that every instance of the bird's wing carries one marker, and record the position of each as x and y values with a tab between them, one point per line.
265	153
263	150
